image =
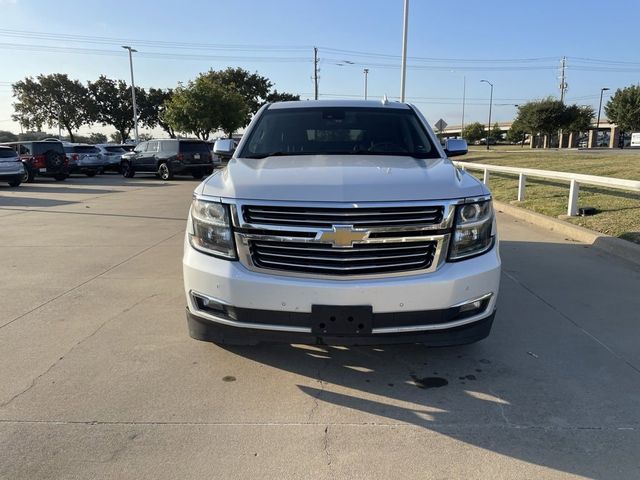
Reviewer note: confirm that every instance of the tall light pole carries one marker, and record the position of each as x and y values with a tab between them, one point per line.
133	92
490	103
464	98
602	90
366	74
403	70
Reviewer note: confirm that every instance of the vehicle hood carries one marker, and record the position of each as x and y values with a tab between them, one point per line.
335	178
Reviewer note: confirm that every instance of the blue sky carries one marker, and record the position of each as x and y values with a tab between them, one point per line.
516	45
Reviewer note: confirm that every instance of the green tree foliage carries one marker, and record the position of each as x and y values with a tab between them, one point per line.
623	108
516	133
97	137
277	96
112	104
496	132
6	136
548	115
473	131
116	137
253	87
206	105
154	108
49	100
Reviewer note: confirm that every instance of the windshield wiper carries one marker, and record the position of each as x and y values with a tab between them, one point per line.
265	155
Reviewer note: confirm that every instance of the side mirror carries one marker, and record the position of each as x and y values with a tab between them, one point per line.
454	147
224	147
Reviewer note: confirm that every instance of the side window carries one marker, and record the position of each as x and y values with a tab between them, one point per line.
152	147
25	149
140	147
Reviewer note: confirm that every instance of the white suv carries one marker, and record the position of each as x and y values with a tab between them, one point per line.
341	222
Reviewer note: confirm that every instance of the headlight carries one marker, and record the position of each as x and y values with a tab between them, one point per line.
210	230
474	230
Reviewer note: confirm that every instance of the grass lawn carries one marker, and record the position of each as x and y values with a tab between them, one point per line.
618	211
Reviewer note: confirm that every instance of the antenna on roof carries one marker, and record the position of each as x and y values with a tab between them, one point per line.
385	100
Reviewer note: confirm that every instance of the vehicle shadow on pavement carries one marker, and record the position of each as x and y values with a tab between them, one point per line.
528	391
62	189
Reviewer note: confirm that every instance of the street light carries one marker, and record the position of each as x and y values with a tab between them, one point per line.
602	90
366	74
490	102
133	93
403	70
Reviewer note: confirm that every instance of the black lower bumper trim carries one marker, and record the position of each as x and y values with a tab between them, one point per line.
209	331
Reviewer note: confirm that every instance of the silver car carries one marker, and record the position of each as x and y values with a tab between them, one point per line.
111	154
84	158
11	168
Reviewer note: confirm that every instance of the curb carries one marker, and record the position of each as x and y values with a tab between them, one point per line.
615	246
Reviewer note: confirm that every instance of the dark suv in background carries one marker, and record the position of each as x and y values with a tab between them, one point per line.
42	158
168	157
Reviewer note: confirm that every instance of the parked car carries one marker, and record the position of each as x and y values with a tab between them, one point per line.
341	222
111	155
11	168
42	158
168	157
84	158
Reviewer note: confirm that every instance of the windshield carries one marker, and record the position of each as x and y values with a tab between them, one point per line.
8	153
344	131
114	149
194	147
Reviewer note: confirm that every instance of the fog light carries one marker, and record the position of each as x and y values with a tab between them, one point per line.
207	304
471	307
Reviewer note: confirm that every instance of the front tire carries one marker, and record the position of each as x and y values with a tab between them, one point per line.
164	172
15	183
127	170
197	174
91	174
29	175
60	177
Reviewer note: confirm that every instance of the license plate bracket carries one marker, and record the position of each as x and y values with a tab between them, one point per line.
351	320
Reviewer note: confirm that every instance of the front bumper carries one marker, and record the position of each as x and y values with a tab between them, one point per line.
406	309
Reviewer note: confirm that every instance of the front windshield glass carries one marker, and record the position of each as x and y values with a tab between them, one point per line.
338	131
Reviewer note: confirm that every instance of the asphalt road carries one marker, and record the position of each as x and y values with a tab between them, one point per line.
99	379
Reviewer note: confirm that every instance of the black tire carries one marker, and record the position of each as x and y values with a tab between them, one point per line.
197	174
60	177
91	173
127	170
30	175
15	183
164	171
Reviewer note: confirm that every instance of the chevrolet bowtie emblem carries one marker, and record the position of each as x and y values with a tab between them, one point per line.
342	236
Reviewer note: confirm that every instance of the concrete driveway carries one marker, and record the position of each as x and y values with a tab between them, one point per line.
99	379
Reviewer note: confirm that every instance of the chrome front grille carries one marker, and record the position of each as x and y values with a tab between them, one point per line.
364	258
342	240
326	217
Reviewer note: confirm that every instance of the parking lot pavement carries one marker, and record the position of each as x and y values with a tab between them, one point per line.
99	379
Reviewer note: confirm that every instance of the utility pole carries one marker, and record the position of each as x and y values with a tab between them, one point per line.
366	73
315	72
403	70
60	123
602	90
490	103
563	82
464	97
133	93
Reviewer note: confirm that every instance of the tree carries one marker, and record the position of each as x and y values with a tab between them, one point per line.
496	132
51	99
623	108
516	133
116	137
6	136
97	137
277	96
253	88
204	106
112	104
154	109
578	118
545	116
473	131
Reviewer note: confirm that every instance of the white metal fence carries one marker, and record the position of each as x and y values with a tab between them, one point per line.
574	179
